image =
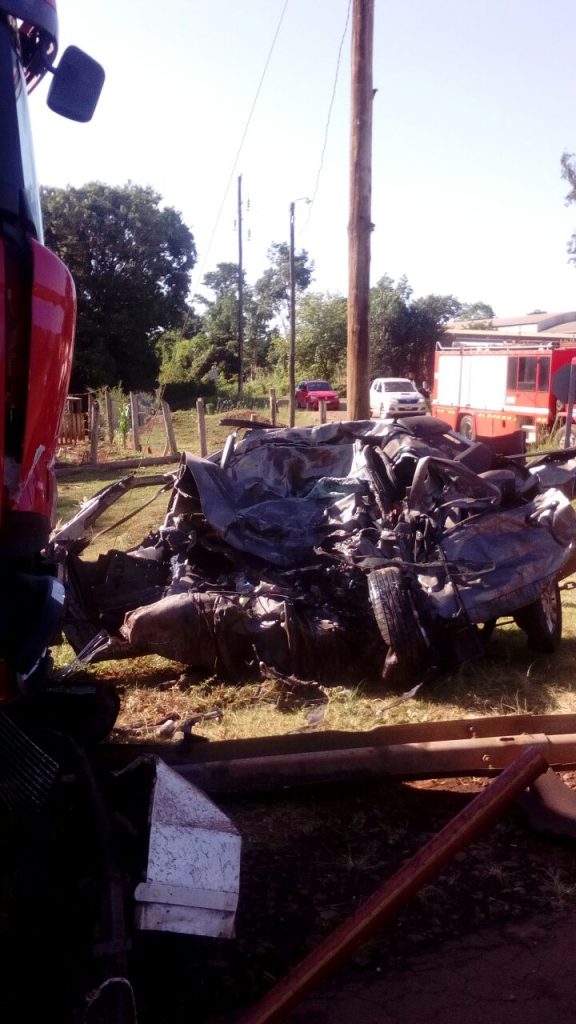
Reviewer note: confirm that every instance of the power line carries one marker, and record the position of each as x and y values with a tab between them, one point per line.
236	158
330	106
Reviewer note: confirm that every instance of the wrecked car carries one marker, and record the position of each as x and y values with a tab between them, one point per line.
365	550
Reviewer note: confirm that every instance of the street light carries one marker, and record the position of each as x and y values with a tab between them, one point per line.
292	354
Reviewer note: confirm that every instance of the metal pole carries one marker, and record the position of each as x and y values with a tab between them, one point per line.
292	354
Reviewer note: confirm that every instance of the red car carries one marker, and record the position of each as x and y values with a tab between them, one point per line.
310	393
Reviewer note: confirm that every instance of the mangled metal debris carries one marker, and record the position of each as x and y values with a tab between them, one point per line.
353	550
193	867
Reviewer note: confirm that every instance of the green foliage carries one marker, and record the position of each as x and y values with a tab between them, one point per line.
124	423
272	289
184	394
403	331
177	355
568	165
476	311
131	260
321	333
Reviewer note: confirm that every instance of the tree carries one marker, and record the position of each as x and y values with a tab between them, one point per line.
403	331
131	260
473	311
321	332
272	289
568	165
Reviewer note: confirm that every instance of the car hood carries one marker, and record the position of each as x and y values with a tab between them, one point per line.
403	394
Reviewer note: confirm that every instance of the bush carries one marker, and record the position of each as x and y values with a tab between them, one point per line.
184	394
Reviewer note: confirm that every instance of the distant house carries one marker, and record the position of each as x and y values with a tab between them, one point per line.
535	326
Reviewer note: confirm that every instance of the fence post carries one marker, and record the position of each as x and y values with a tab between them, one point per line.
94	430
272	405
201	426
109	414
167	413
135	421
322	411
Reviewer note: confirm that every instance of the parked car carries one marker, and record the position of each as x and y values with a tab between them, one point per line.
310	393
396	396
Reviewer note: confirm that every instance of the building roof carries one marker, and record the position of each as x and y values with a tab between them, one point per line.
538	322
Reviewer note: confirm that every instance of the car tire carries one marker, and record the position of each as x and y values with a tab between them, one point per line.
542	620
466	428
395	614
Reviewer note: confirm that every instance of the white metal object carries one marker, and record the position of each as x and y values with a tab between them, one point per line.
193	870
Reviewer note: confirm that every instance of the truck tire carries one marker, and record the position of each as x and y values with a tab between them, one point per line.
542	620
395	614
559	438
466	428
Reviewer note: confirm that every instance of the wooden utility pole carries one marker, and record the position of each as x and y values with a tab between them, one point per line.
292	353
360	223
240	293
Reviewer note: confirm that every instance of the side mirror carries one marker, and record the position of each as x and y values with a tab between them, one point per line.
76	86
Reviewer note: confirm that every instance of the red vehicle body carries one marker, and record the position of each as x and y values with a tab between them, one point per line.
499	388
37	321
310	393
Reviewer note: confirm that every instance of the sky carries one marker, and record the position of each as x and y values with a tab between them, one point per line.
475	103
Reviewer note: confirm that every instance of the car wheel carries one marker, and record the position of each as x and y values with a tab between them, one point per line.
466	428
395	614
542	620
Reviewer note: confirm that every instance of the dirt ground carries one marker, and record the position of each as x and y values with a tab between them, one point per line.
491	938
516	974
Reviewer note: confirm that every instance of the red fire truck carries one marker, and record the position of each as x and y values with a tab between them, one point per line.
37	319
499	388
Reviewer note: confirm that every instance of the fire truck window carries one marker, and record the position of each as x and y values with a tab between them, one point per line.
543	373
512	373
527	366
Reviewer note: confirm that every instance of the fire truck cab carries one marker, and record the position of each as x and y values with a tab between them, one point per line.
37	321
499	388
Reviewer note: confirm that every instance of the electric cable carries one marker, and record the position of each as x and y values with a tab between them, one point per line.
239	150
330	106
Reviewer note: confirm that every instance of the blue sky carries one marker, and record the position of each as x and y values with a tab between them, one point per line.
475	104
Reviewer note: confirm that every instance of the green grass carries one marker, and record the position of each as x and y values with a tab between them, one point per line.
508	680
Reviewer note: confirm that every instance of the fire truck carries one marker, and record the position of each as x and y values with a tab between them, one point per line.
501	388
37	321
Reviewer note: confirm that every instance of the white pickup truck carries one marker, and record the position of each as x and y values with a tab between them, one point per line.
395	396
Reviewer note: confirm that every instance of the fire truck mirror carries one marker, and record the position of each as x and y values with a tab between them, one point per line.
76	86
561	382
